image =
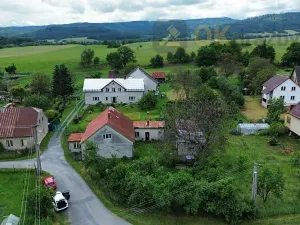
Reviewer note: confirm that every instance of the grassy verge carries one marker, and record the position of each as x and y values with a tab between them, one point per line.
13	155
11	189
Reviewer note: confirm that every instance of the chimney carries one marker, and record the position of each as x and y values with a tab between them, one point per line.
148	118
109	116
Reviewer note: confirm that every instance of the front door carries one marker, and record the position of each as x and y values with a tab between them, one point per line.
114	99
147	136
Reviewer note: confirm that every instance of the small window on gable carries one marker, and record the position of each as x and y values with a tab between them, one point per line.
293	88
283	88
107	136
107	89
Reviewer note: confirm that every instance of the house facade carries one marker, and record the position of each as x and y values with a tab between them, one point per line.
292	120
149	130
111	131
108	91
16	127
150	83
280	87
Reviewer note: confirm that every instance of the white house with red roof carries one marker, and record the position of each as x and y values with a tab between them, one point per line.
280	86
114	134
17	124
292	120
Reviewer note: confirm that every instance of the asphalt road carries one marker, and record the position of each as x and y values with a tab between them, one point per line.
84	206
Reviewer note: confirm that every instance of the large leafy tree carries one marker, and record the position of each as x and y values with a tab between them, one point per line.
206	56
11	69
87	57
148	101
96	61
18	92
228	64
264	51
128	68
119	59
270	182
38	101
157	61
40	84
292	56
181	56
62	84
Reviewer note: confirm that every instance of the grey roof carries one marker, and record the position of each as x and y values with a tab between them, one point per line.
273	83
297	71
144	72
296	111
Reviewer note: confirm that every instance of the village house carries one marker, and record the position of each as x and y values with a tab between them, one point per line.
108	91
292	120
115	134
150	83
148	130
113	74
280	87
296	75
159	76
17	127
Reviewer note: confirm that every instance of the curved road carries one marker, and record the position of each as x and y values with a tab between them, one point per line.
85	208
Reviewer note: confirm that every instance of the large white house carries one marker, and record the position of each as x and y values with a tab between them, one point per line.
112	90
150	83
16	127
280	87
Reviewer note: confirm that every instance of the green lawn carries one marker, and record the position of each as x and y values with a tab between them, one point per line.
253	109
12	189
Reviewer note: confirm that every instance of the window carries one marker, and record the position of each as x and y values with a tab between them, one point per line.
107	89
42	118
282	97
293	88
39	121
77	145
137	134
113	89
23	142
283	88
106	98
288	120
96	98
292	98
9	143
131	98
120	89
106	136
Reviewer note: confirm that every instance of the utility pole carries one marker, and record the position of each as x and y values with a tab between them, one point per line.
37	150
254	182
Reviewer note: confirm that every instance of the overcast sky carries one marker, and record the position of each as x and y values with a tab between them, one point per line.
40	12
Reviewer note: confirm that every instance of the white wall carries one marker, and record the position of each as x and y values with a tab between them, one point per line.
121	97
150	85
118	145
155	134
276	93
42	126
72	147
294	124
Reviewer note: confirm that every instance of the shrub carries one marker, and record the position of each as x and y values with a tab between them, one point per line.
275	130
296	160
148	101
38	101
273	141
51	114
297	173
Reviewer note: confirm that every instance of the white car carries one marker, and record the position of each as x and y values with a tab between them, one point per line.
59	202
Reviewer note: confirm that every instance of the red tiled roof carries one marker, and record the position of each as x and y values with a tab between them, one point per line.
115	120
75	137
152	124
17	122
159	75
273	83
296	111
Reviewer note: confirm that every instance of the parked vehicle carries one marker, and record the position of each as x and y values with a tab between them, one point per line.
59	202
50	183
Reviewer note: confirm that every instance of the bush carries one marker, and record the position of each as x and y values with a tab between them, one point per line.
2	149
273	141
51	114
213	82
296	160
148	101
275	130
38	101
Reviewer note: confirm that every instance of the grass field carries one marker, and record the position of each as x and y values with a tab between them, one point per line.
253	109
11	189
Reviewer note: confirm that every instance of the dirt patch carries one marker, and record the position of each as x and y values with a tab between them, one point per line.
287	151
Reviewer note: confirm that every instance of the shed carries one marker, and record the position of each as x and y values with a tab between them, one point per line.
251	128
11	220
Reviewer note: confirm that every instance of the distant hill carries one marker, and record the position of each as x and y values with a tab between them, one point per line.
153	30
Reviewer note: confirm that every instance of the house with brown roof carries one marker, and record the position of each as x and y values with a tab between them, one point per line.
114	134
292	120
280	86
159	76
16	127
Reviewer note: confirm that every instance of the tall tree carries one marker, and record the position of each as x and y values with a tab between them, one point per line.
275	109
40	84
170	57
87	57
183	81
11	69
157	61
119	59
18	92
206	56
228	64
128	68
62	84
96	61
264	51
181	56
292	56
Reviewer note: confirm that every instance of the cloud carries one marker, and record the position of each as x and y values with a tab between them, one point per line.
24	12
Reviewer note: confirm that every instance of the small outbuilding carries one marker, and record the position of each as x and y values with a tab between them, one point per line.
251	128
11	220
159	76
